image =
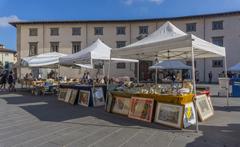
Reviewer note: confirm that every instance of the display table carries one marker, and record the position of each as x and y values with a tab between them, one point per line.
172	110
86	95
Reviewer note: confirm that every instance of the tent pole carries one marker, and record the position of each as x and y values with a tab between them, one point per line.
156	77
108	76
194	88
226	76
104	69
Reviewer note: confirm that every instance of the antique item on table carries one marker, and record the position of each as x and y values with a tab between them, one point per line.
189	117
109	102
73	96
62	94
203	107
141	109
121	105
84	97
98	97
169	114
68	95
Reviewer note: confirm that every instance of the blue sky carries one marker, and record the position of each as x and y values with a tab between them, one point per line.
101	9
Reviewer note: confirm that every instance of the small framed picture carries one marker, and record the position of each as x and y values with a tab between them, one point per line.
84	97
68	95
73	96
121	105
98	96
203	107
62	94
169	114
141	109
210	102
189	117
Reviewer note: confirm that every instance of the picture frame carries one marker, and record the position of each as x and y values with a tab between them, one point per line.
68	95
189	117
98	97
169	114
62	94
84	98
141	109
210	102
121	105
203	107
73	96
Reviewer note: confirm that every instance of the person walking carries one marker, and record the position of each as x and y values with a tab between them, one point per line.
11	82
210	77
3	81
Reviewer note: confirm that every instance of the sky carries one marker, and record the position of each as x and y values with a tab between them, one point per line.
29	10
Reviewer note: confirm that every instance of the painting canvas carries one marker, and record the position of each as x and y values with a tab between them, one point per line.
98	96
210	102
203	107
121	105
141	109
189	117
169	114
68	95
84	97
73	96
62	94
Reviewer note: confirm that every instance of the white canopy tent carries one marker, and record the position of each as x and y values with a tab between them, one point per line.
43	60
235	68
170	64
170	43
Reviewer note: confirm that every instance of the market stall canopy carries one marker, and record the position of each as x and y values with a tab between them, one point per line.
42	60
235	68
97	51
170	64
169	42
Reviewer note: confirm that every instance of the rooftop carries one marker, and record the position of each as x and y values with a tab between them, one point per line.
7	50
126	20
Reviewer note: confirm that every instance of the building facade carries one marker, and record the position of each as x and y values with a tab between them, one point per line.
7	58
71	36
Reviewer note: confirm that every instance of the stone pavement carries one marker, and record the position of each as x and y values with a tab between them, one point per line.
29	121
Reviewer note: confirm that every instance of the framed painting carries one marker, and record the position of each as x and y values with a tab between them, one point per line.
84	97
121	105
210	102
98	97
68	95
141	109
189	117
62	94
203	107
73	96
169	114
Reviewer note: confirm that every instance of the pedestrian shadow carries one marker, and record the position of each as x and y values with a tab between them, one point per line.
217	136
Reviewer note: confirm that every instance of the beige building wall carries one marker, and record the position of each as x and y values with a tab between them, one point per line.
231	33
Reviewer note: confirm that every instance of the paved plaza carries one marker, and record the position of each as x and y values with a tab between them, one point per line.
28	121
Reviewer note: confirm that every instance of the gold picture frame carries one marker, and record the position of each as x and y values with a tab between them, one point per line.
203	107
169	114
73	96
84	98
62	94
121	105
68	95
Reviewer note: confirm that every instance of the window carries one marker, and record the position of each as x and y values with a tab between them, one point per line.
33	32
6	54
191	27
76	47
217	63
33	48
54	31
121	65
120	44
76	31
217	25
218	40
189	63
54	46
121	31
143	30
98	30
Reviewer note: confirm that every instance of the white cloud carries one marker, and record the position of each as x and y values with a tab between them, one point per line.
130	2
4	21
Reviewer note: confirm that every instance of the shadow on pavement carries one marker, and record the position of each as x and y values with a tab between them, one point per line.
58	111
218	136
